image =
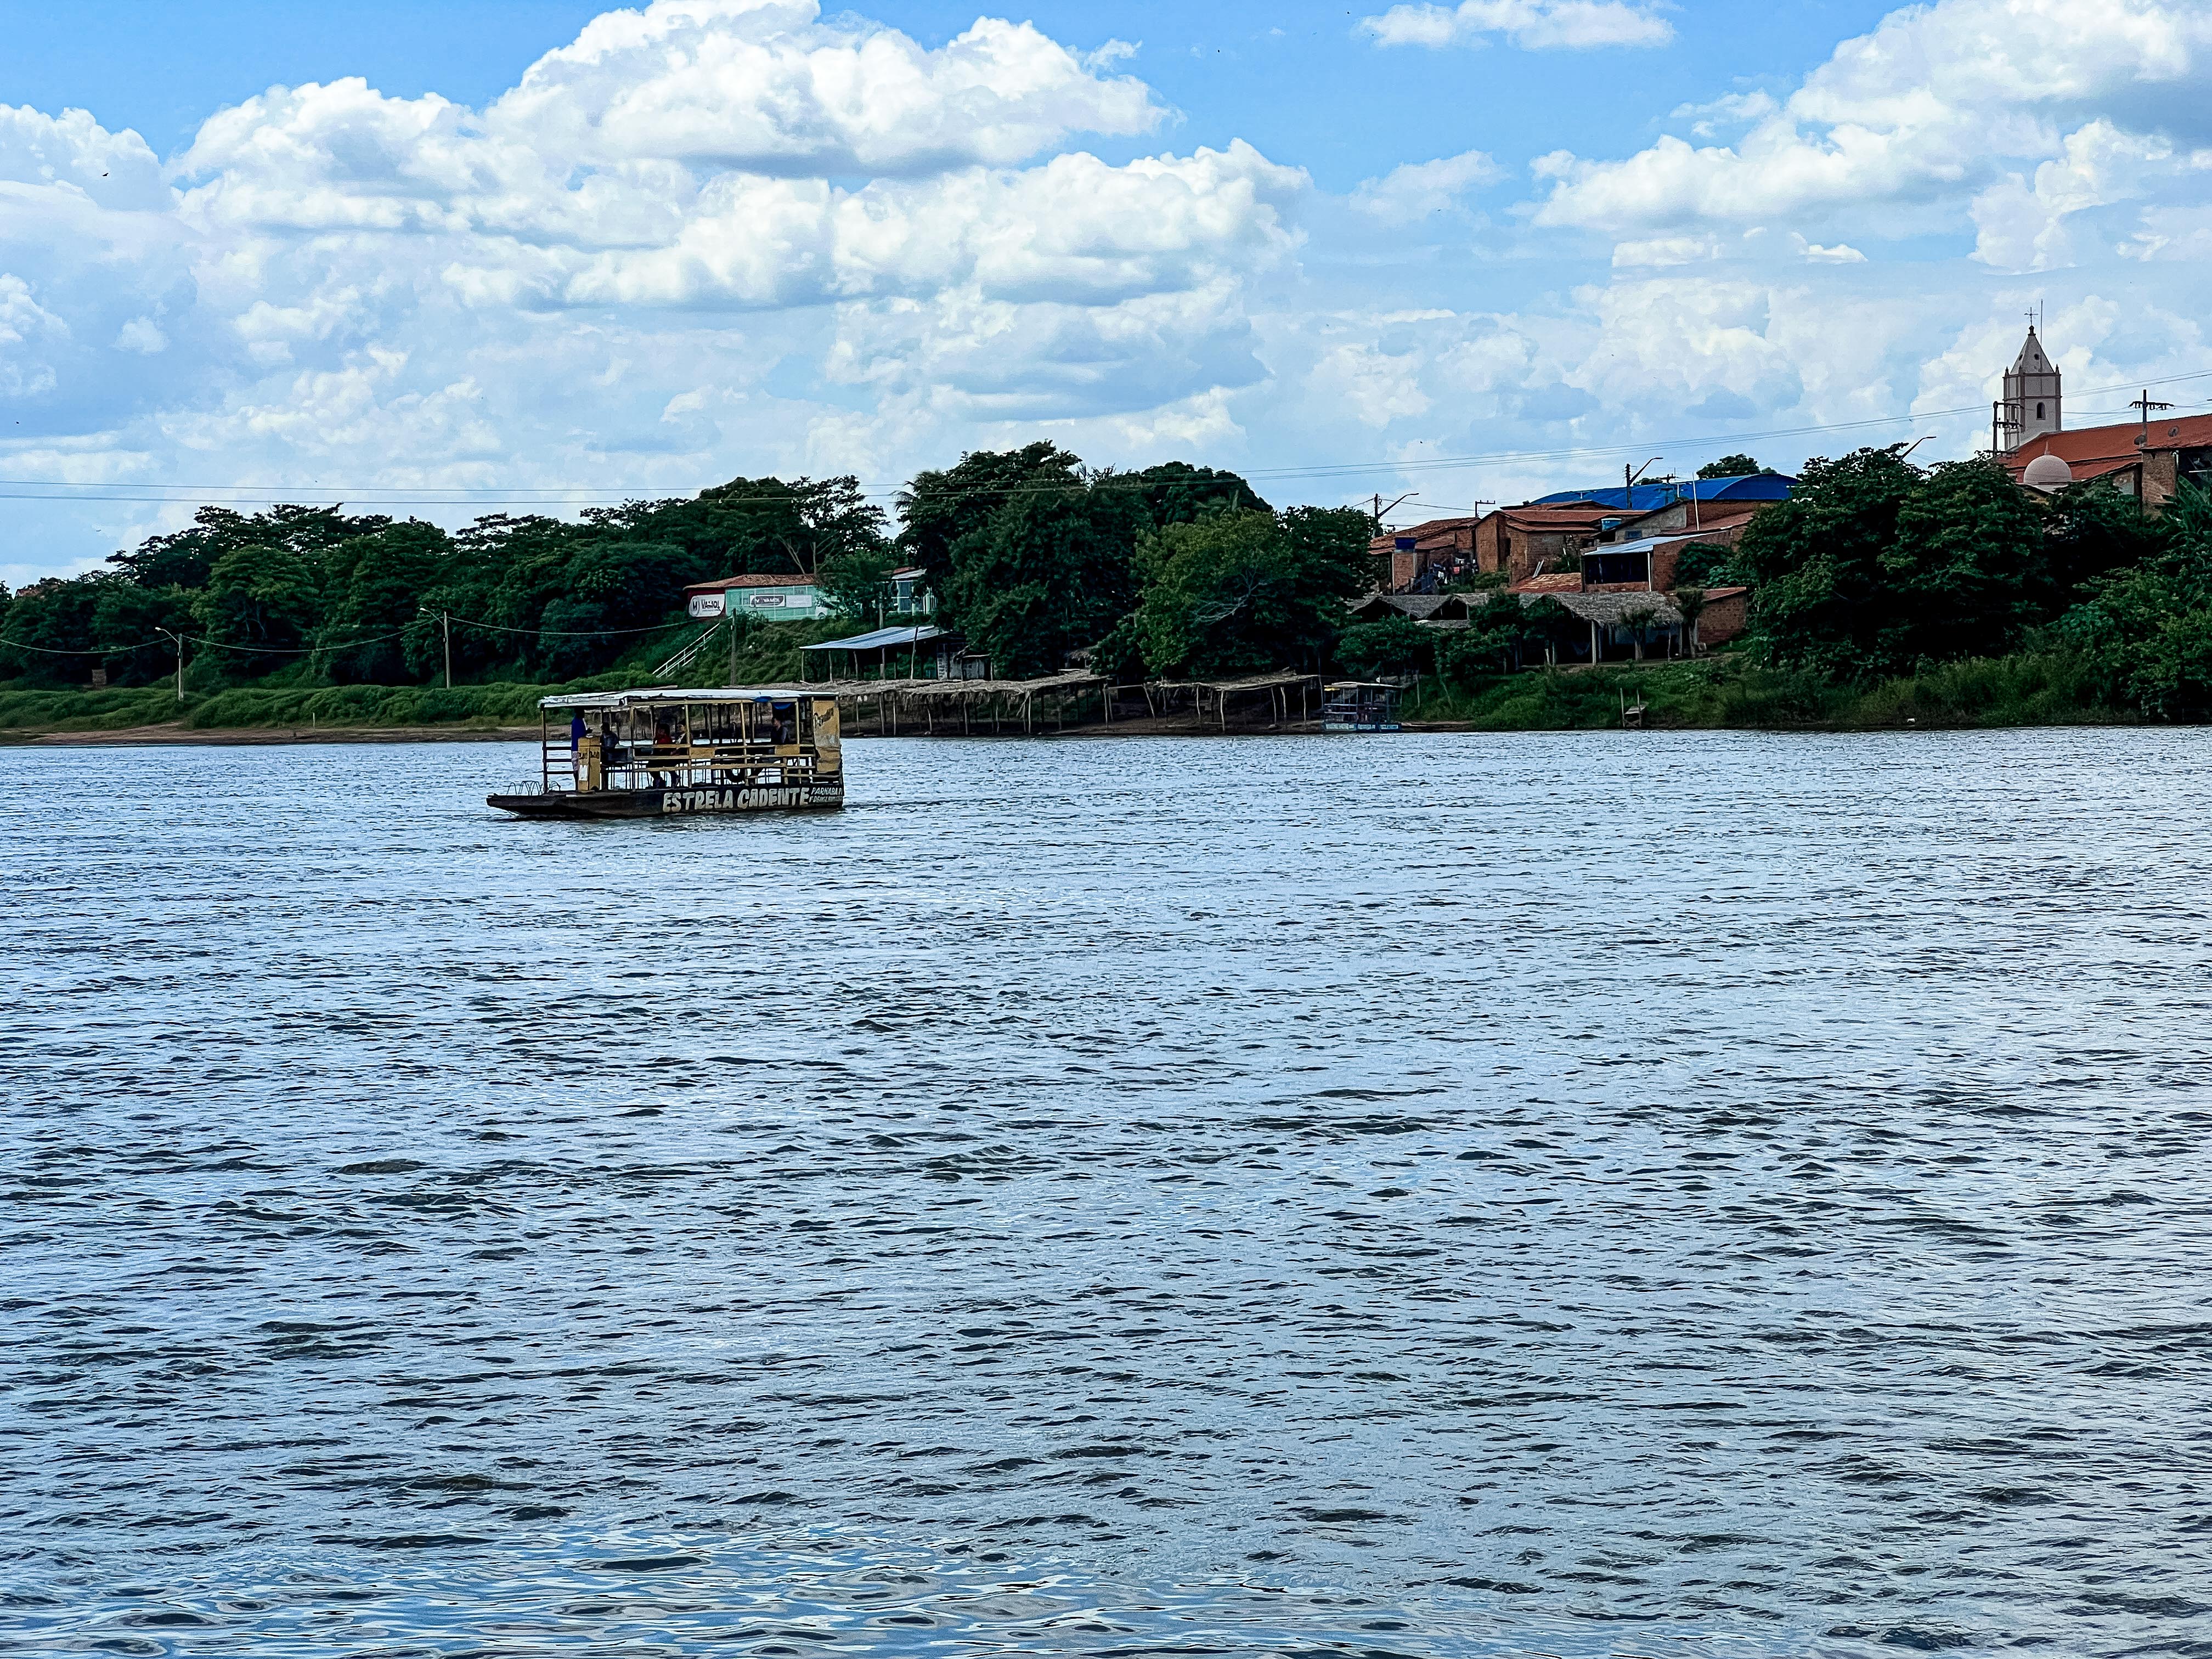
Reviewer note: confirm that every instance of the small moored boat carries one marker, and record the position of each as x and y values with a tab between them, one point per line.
1359	706
665	752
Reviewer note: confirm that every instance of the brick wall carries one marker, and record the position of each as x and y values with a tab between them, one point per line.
1724	618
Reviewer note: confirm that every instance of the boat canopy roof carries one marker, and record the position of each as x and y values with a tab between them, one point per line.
669	694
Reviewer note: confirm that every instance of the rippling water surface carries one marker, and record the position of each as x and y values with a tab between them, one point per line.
1593	1194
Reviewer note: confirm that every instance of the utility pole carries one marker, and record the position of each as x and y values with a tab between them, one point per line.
446	626
178	641
1380	510
2146	404
730	627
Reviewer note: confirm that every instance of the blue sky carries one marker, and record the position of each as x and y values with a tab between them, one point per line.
1475	251
1289	83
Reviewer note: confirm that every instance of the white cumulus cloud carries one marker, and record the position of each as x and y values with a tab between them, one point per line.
1418	188
1532	25
850	237
1925	109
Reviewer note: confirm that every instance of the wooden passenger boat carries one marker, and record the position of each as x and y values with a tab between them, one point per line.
665	753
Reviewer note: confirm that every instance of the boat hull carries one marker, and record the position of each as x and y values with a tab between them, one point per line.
673	803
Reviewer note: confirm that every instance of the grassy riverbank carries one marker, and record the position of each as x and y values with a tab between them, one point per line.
2049	688
2044	689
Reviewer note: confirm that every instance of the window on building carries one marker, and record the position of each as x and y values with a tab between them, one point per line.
2039	412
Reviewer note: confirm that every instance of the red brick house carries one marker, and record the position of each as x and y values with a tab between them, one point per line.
1428	554
1517	540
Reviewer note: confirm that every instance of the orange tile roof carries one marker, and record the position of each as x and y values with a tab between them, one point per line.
2092	444
724	583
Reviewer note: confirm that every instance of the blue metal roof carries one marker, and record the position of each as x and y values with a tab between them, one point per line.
883	639
1645	498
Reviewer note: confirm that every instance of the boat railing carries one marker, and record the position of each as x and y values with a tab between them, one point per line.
649	765
559	771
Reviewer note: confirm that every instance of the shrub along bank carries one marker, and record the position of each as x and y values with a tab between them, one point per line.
2049	688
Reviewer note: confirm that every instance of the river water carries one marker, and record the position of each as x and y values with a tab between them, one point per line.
1596	1195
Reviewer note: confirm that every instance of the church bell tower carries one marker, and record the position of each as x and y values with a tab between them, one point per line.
2029	408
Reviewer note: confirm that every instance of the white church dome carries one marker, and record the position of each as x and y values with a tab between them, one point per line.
2047	472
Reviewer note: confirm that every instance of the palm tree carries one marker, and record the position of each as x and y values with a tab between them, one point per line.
1690	602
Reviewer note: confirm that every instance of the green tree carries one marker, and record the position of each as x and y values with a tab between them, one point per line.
2092	530
50	624
1823	598
135	627
1391	646
263	600
2146	633
1050	572
613	593
1705	564
376	634
858	583
1690	602
1493	641
1730	466
1175	492
763	526
1235	592
938	510
1965	569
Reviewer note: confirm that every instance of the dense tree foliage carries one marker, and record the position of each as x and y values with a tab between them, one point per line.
1824	600
1876	567
1240	591
1050	572
1730	466
1387	646
1510	632
939	509
2147	630
1037	550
